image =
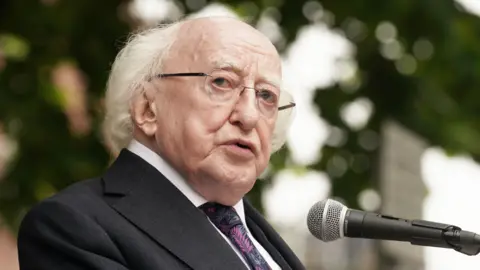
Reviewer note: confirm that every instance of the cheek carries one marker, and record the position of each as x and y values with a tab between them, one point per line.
265	133
202	128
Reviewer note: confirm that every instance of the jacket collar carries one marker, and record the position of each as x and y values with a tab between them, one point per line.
144	196
174	177
270	240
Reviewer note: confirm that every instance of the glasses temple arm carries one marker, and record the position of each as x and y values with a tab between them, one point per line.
292	104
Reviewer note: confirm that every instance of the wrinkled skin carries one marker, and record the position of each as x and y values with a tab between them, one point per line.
177	119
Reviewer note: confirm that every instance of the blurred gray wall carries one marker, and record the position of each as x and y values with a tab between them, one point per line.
402	190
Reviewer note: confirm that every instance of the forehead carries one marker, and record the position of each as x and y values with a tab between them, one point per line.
213	44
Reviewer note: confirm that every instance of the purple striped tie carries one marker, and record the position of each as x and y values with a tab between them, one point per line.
226	219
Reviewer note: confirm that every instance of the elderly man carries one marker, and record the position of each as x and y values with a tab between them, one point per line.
194	110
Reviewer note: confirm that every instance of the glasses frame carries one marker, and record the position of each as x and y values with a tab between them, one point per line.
201	74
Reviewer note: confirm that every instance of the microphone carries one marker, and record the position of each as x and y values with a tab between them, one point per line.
329	220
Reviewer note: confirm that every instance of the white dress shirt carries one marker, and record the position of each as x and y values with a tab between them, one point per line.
179	182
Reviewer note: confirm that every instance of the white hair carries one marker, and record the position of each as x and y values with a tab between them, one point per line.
140	59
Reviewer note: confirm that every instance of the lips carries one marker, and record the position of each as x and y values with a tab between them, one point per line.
243	144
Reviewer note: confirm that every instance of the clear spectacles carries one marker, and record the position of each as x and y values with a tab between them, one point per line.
223	85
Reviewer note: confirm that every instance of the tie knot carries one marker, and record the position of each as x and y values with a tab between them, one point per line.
222	216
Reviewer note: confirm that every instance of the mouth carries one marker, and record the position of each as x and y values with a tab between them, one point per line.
243	145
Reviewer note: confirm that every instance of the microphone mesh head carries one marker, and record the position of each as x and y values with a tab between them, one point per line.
325	220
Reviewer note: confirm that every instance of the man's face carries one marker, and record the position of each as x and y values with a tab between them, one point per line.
203	137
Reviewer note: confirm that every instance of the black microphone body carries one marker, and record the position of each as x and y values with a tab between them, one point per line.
359	224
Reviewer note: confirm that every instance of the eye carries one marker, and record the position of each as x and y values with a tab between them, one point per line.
221	82
267	96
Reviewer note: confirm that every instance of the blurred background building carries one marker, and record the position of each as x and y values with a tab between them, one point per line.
387	115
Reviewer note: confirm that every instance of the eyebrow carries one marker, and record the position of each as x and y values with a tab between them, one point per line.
224	63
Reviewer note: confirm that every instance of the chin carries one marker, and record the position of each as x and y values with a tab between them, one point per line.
224	179
235	177
236	174
229	169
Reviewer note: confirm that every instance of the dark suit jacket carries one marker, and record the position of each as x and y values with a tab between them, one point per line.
133	218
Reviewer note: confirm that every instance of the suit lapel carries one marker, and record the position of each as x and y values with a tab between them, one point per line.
142	195
262	239
270	240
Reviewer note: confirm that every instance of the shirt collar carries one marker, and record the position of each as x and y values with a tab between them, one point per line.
174	177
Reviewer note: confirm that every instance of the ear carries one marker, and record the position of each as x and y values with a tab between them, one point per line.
144	110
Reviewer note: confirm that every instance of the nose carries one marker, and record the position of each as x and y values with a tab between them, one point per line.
245	114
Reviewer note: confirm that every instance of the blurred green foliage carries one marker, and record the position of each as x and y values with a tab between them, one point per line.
429	87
